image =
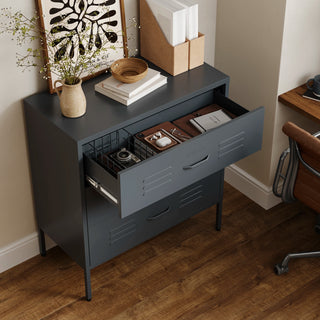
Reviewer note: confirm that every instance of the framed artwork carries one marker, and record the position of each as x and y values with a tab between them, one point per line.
86	23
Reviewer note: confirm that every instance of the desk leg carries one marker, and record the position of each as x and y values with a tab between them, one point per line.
42	243
87	280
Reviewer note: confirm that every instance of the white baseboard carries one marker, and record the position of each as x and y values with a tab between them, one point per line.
21	250
251	187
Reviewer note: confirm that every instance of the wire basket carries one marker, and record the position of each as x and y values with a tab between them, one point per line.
108	149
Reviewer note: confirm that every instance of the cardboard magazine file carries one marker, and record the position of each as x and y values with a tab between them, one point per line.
155	47
196	51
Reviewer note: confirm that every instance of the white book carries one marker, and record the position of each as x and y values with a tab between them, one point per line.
209	121
130	89
127	101
192	19
171	18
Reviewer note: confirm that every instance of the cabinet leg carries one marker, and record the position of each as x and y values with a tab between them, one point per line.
218	215
87	280
219	203
42	243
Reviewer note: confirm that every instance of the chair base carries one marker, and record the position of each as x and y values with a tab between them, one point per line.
282	267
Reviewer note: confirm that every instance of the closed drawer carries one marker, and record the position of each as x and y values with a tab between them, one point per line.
109	235
161	175
183	205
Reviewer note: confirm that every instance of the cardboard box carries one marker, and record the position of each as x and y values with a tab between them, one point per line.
155	47
196	51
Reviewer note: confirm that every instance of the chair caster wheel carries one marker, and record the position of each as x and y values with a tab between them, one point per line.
279	269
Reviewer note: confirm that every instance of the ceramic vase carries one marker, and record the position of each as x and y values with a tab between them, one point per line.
72	99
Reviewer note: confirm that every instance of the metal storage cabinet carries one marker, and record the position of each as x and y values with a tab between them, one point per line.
93	222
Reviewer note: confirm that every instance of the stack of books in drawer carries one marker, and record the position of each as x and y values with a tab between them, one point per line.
127	93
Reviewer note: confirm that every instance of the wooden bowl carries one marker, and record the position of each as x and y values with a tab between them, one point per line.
129	70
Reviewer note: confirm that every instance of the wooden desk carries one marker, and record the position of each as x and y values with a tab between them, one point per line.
294	99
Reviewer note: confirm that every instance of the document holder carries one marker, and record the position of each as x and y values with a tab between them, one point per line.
196	51
155	47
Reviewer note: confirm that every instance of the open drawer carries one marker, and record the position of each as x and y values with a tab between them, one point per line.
161	175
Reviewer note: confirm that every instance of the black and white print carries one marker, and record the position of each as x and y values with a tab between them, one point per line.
77	26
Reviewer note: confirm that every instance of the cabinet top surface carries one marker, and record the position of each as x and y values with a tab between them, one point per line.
104	114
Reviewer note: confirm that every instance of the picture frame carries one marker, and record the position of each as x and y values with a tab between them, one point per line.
101	18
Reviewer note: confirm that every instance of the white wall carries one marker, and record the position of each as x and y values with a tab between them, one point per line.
16	207
300	60
17	220
207	26
248	49
267	48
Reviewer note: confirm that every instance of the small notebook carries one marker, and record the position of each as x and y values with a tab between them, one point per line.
210	120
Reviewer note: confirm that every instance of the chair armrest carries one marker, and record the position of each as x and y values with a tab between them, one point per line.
310	168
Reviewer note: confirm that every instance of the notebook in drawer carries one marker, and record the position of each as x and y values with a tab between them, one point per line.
184	122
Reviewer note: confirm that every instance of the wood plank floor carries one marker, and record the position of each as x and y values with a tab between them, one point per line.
190	272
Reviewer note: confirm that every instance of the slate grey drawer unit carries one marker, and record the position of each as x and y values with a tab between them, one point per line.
110	235
94	215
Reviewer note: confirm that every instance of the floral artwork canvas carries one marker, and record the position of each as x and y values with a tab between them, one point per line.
78	27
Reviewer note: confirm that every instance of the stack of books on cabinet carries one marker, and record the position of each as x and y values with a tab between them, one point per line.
127	93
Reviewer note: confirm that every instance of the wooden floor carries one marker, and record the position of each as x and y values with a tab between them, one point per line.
189	272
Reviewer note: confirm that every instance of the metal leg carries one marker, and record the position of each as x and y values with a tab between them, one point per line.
218	215
42	243
282	267
87	280
219	203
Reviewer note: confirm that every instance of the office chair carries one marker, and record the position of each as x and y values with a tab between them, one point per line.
298	178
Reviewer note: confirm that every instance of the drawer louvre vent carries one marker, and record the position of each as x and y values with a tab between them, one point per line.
191	196
122	231
231	144
157	180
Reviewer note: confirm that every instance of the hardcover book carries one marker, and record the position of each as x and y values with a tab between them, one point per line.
162	80
171	17
191	18
130	89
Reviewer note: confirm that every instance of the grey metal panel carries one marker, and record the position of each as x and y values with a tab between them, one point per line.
158	177
56	184
164	174
109	235
104	115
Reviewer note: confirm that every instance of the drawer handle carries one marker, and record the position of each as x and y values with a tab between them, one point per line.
157	216
197	164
